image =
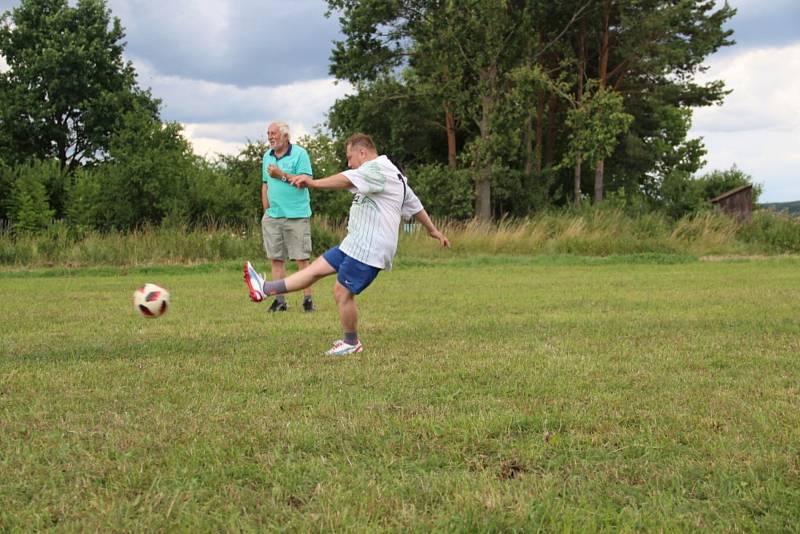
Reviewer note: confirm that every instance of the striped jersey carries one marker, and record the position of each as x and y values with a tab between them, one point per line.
382	198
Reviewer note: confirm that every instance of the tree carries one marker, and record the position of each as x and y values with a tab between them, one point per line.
651	50
67	86
411	137
471	44
595	125
508	76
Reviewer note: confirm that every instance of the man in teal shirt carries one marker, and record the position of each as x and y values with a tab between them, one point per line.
285	226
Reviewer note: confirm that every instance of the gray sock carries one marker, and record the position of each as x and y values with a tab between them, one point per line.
274	288
351	338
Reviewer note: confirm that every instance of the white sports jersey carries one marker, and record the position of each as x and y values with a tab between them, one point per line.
382	198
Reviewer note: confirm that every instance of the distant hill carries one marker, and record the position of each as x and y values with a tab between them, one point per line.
792	208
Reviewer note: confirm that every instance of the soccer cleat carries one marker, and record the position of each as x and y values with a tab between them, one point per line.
340	348
255	283
308	305
278	306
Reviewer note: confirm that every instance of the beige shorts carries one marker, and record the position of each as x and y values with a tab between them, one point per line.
286	238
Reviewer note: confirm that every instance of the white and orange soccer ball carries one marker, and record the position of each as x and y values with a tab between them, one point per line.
151	300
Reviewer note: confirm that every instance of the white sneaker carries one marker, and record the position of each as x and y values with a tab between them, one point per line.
340	348
255	283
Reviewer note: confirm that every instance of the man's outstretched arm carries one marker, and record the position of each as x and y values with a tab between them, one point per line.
337	181
425	220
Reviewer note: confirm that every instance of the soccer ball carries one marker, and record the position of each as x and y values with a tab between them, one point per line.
151	300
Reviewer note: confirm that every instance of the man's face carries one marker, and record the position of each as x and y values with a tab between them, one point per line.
277	140
355	156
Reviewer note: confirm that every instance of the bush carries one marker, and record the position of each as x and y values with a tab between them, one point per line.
212	195
83	205
681	194
325	233
28	206
443	191
776	232
7	180
334	205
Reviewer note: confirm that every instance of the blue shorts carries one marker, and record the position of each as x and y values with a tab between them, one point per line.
352	274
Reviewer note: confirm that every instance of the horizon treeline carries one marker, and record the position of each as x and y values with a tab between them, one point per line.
494	109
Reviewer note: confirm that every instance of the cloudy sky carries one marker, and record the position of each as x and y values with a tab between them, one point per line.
224	68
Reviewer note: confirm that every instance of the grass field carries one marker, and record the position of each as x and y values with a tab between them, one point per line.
495	394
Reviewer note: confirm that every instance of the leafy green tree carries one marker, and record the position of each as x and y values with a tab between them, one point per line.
595	126
717	182
67	87
471	41
412	136
651	50
508	72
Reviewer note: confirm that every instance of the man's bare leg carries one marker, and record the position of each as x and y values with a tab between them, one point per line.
348	312
320	268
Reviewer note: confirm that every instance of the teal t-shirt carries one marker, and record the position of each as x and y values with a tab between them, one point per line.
285	200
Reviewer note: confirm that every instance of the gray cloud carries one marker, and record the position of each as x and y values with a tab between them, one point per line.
224	68
200	101
270	42
760	23
245	43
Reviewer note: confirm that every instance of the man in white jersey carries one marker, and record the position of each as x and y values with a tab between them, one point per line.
382	198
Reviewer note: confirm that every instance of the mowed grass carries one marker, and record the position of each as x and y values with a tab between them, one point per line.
494	394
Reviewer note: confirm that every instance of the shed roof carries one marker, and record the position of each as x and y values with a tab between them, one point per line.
731	192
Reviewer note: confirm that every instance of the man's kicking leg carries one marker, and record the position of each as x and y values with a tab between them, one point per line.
259	289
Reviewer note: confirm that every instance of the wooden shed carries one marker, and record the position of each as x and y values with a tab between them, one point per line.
736	202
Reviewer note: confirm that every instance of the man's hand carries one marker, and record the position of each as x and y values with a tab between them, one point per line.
301	180
439	236
276	172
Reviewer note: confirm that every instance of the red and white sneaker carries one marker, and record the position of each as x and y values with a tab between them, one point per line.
255	283
340	348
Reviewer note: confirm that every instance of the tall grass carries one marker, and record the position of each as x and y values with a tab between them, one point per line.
613	232
595	232
149	245
144	246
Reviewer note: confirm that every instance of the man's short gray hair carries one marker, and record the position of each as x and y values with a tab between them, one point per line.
283	128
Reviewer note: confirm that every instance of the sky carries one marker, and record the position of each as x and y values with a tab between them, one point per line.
226	68
757	128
